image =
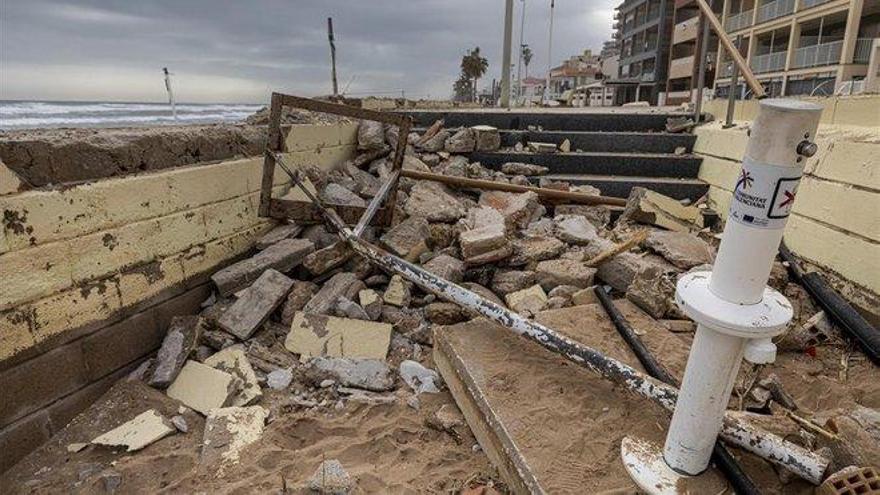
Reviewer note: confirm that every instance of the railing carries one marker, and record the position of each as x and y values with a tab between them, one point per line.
806	4
818	55
647	76
770	62
862	54
774	9
739	21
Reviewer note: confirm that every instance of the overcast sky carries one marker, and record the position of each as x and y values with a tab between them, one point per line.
240	51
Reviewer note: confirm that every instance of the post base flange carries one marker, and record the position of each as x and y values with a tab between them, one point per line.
643	460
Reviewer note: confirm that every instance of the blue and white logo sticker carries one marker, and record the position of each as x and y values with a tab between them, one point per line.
764	194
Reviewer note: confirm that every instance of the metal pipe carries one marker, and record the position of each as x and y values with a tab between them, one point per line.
736	313
731	96
505	55
332	56
738	60
701	72
522	25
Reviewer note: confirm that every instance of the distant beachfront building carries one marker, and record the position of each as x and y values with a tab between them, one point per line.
578	70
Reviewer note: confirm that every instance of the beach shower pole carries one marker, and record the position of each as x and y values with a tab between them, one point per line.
735	311
170	92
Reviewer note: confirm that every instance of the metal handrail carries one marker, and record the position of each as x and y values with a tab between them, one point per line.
769	62
818	55
774	9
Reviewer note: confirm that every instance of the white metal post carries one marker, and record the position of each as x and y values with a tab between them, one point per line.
505	56
170	92
735	311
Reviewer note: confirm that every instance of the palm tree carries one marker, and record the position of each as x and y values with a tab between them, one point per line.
474	66
526	58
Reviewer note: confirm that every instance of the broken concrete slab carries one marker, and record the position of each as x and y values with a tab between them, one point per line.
420	379
649	207
234	361
398	292
202	388
319	335
553	273
367	374
335	194
462	141
325	259
538	147
180	341
434	202
435	143
282	256
331	478
653	290
487	138
507	281
406	236
446	267
370	135
598	215
529	249
259	301
279	233
142	430
324	300
518	209
445	313
527	302
372	302
683	250
228	430
485	231
527	169
575	229
300	294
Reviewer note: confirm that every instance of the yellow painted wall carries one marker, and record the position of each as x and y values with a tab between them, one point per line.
73	256
863	111
834	223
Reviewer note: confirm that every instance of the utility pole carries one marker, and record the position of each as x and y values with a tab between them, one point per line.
549	54
505	57
170	92
522	25
332	56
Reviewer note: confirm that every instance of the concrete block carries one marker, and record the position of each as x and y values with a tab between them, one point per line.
434	202
553	273
260	299
325	299
282	256
318	335
144	429
683	250
575	229
279	233
404	237
179	342
202	388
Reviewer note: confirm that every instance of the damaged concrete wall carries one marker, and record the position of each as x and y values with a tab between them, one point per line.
834	221
92	273
860	110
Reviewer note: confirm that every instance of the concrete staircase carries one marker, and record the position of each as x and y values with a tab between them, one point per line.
613	150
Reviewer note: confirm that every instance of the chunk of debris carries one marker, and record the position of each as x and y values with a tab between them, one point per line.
565	146
430	132
584	296
575	229
434	202
325	259
446	267
652	208
527	302
527	169
346	308
250	311
445	313
487	138
319	335
435	143
447	418
279	233
683	250
180	341
279	379
519	210
367	374
283	256
202	387
484	233
398	292
75	447
406	236
817	330
371	301
228	431
419	378
180	423
463	141
538	147
553	273
370	135
653	290
335	194
234	361
325	299
507	281
146	428
331	478
299	295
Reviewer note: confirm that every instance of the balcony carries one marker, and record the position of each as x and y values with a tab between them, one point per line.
774	9
806	4
686	30
647	76
818	55
681	67
770	62
739	21
862	54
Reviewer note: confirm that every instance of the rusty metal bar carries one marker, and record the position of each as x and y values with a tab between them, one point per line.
489	185
740	62
802	462
344	110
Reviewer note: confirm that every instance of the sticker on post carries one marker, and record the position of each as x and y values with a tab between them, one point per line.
764	194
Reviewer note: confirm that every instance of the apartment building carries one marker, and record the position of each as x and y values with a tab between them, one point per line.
683	71
578	70
800	47
644	32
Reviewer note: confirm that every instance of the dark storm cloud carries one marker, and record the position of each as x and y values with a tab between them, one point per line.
239	51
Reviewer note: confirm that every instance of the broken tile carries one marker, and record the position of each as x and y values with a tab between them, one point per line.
228	431
282	256
146	428
202	387
250	311
320	335
180	341
234	361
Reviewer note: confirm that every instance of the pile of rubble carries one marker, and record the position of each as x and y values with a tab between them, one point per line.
309	318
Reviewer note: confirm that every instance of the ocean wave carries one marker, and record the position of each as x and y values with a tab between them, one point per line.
44	108
33	122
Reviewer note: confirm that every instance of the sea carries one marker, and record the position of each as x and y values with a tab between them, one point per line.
46	114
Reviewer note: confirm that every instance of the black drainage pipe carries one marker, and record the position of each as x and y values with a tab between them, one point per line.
836	307
742	484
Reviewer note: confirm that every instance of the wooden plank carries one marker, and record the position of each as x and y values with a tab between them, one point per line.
282	256
547	425
272	144
256	304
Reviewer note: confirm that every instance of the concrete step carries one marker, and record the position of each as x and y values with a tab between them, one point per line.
622	164
620	187
556	120
608	142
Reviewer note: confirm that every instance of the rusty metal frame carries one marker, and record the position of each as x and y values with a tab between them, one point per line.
310	212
